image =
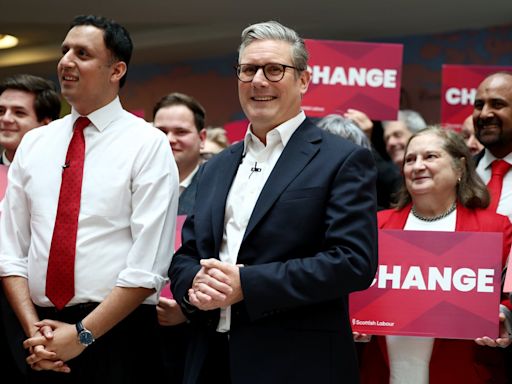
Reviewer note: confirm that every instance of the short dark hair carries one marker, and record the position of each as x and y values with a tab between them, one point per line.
116	38
177	98
47	100
471	190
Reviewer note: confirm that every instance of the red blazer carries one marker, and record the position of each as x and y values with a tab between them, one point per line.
452	361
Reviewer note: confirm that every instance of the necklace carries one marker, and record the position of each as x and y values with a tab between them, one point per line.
435	218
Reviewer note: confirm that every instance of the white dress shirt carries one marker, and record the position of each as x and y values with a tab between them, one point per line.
5	160
484	171
185	183
409	356
257	164
126	225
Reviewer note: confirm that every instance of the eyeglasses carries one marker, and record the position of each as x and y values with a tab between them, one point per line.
272	71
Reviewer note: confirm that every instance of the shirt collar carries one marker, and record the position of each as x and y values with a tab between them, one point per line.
185	183
285	130
102	117
488	158
5	160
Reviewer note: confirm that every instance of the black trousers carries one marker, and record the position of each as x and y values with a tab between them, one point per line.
216	368
128	354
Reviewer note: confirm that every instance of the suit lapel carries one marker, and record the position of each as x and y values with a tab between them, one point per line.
301	148
225	175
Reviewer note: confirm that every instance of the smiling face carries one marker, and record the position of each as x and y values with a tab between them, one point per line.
17	117
492	114
177	122
396	135
88	74
268	104
429	169
468	134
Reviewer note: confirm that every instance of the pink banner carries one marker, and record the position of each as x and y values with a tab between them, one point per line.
362	76
435	284
458	90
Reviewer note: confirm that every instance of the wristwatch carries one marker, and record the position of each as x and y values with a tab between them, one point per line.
85	336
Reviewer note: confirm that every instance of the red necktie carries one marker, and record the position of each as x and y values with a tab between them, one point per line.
499	168
60	276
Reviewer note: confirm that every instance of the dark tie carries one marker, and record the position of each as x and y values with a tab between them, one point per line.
499	169
60	277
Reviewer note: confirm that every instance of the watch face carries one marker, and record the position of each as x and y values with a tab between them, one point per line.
86	338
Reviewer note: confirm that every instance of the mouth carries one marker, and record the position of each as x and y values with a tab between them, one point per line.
263	98
69	78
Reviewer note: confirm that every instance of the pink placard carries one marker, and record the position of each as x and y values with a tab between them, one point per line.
458	89
507	286
3	180
432	284
362	76
166	290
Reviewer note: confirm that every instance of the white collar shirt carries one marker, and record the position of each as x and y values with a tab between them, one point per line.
129	200
483	169
257	164
5	160
186	182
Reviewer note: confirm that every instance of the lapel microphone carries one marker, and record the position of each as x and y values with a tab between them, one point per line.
66	165
255	168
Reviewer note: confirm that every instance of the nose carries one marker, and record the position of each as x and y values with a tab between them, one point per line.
486	111
259	77
171	137
418	164
66	60
7	116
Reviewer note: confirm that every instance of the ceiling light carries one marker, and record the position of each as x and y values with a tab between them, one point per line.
8	41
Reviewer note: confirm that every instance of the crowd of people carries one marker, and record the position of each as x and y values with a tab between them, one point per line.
280	227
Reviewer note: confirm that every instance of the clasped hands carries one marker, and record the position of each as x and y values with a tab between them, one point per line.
216	285
52	344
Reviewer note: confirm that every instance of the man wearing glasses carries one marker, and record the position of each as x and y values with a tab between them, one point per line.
284	228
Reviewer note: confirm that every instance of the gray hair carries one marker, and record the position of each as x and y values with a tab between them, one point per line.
412	119
272	30
346	128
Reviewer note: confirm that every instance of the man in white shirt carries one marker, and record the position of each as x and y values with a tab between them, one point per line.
107	331
492	120
26	102
283	229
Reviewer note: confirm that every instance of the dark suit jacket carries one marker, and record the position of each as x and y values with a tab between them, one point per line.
452	361
188	196
311	240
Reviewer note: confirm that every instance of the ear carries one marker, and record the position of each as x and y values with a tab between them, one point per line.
305	78
118	71
45	121
202	136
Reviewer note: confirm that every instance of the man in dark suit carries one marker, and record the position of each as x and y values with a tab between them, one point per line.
181	117
26	102
284	228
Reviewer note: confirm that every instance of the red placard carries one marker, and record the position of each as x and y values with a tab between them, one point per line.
362	76
458	90
236	130
432	284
